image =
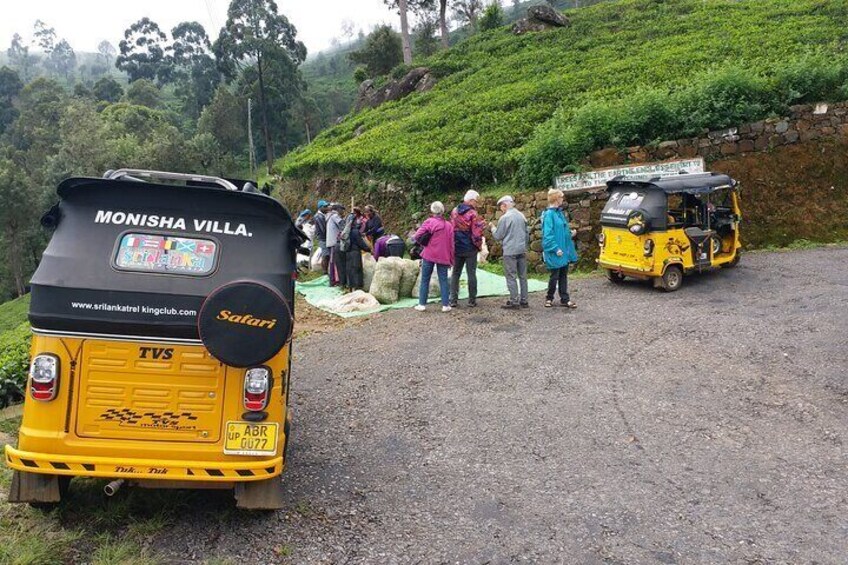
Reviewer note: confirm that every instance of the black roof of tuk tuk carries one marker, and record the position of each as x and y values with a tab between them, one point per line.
78	286
692	183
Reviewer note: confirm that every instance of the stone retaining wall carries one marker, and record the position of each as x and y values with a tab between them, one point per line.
806	123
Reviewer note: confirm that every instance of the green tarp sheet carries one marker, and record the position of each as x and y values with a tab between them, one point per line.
488	284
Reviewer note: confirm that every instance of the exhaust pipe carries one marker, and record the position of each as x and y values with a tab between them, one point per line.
113	487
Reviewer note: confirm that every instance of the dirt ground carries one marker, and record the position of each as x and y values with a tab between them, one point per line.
703	426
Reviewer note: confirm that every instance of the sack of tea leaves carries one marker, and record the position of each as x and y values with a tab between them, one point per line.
409	276
435	292
385	286
368	266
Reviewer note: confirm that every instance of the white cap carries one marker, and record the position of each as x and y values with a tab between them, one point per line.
471	195
506	200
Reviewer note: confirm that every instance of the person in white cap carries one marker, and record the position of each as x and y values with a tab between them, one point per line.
468	228
511	231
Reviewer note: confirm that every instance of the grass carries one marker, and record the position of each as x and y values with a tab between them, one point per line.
13	313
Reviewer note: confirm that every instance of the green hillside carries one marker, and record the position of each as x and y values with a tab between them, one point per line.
633	71
13	313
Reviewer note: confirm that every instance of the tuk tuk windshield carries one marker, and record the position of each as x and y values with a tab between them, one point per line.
622	202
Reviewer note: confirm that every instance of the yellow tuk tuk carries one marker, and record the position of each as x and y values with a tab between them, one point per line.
162	313
663	228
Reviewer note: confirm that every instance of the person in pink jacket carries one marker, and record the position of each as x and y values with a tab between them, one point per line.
438	254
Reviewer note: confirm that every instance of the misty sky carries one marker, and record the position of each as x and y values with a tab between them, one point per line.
85	23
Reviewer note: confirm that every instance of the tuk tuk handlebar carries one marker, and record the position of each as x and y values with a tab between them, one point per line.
134	174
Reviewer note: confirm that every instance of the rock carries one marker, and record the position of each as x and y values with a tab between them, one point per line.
547	15
781	127
746	146
533	257
426	83
791	136
359	131
536	246
418	79
729	149
605	158
526	25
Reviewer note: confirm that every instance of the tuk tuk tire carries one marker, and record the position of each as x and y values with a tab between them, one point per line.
715	245
615	276
734	262
672	278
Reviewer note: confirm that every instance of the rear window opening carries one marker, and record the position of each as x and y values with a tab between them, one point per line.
165	254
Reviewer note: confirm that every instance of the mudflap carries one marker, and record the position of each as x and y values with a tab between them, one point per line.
259	495
35	488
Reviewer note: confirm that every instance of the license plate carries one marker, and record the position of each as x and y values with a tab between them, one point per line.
244	438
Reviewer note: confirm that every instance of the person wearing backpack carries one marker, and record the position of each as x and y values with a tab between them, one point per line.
335	224
436	237
320	222
468	229
557	248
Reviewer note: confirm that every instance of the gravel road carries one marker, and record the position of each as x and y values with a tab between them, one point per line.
703	426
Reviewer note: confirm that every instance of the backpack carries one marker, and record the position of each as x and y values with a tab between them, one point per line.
344	235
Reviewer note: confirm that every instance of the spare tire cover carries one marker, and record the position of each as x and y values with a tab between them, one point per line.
245	323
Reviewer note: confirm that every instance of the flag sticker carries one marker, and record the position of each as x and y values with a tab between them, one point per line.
166	255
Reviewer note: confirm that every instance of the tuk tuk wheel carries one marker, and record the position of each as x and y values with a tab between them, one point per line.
615	276
672	278
715	243
735	261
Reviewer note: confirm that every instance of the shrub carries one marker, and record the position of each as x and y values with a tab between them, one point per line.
14	364
492	18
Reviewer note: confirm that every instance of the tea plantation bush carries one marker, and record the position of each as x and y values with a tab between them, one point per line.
626	72
14	350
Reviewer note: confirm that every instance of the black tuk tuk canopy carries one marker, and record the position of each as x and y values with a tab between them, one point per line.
628	195
138	259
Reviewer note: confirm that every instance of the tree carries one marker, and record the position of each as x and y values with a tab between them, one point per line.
62	60
20	58
10	87
255	29
443	23
15	220
425	37
142	50
143	92
381	53
108	90
468	10
348	30
194	70
107	52
43	37
225	118
516	4
402	6
492	18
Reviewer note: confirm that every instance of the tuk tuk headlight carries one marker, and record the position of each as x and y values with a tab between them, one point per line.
637	229
44	377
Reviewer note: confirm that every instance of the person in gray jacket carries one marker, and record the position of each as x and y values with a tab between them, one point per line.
511	231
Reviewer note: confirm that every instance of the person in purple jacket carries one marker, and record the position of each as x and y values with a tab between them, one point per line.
437	254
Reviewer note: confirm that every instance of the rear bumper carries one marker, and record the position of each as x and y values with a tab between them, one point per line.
159	469
627	268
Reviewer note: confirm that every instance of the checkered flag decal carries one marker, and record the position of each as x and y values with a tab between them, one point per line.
129	416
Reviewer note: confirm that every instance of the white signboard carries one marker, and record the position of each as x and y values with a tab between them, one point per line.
595	179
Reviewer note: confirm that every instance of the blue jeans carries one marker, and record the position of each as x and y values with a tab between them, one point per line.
426	275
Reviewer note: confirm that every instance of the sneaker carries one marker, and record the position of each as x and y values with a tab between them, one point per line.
453	304
510	306
524	304
446	308
549	303
472	302
420	307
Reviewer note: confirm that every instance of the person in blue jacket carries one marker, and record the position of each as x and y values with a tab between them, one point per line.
557	248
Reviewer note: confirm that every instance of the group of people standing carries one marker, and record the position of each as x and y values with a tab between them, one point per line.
342	238
456	242
444	243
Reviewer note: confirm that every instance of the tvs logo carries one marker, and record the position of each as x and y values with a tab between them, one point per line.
163	353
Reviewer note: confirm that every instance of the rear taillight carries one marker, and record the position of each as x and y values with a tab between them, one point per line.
257	384
44	377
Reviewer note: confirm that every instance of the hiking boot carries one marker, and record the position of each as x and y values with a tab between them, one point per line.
453	304
472	302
